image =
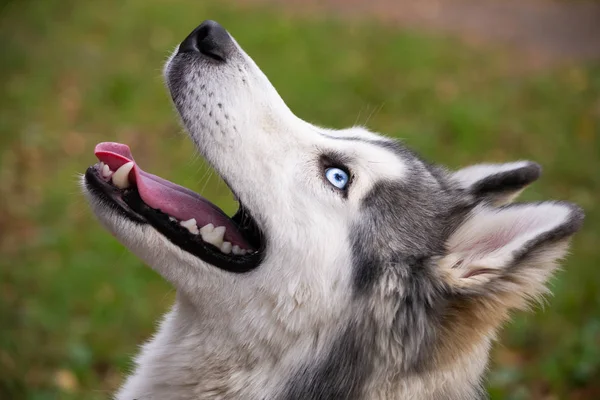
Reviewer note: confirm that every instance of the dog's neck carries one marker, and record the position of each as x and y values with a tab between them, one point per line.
189	359
193	356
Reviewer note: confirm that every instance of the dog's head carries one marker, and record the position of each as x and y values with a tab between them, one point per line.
348	252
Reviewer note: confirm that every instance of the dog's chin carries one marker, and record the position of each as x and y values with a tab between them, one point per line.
128	205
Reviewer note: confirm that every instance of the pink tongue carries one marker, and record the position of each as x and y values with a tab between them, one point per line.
171	199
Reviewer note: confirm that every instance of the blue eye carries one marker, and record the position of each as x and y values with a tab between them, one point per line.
337	177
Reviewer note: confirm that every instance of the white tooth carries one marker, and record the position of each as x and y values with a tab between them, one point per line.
236	250
106	170
190	224
226	247
214	237
121	176
207	229
219	232
172	219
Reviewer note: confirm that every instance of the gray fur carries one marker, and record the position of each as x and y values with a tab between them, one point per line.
342	374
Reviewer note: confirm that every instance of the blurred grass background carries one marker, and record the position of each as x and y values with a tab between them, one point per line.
74	304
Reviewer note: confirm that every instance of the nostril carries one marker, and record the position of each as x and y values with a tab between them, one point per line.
209	39
208	45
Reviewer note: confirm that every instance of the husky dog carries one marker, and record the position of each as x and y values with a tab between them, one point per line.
353	269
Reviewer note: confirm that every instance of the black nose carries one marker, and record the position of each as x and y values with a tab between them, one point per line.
210	39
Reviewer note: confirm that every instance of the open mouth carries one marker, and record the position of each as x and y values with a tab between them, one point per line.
184	217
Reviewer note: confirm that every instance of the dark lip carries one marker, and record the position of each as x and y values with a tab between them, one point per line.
129	204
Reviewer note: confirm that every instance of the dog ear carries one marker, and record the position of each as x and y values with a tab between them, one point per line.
497	183
498	260
508	253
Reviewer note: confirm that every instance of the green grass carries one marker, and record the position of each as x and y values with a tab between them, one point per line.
74	304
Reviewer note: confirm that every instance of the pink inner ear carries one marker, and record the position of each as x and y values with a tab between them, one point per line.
493	238
489	243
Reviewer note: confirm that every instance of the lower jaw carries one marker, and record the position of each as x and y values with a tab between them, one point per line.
131	206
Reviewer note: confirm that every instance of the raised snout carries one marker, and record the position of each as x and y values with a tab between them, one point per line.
209	39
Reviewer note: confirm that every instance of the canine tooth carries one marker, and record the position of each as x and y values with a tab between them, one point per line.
226	247
219	232
121	176
190	225
106	170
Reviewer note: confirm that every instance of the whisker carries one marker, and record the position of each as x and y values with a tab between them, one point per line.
375	110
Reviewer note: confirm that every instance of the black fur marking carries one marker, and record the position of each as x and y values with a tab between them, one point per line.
367	268
334	159
507	181
341	375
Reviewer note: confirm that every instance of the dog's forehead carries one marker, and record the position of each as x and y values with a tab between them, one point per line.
371	154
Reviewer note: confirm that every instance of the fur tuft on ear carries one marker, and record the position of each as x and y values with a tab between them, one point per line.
498	183
511	250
